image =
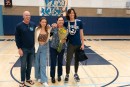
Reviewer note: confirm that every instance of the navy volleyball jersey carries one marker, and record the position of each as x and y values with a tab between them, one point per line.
74	31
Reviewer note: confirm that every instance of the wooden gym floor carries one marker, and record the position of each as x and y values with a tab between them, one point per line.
108	64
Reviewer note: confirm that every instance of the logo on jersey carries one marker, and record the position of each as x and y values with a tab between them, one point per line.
31	28
73	28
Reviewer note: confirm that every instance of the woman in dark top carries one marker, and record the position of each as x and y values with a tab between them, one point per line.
55	56
75	41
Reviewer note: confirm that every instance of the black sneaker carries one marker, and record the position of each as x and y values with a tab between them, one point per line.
66	78
76	77
53	80
59	78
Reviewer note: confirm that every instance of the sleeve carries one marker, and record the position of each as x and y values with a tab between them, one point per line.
18	37
81	25
35	25
35	38
66	24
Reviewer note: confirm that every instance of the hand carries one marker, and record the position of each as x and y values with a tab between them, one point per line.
82	47
20	52
48	26
54	25
64	40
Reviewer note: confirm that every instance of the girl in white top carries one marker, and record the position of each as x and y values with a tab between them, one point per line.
42	35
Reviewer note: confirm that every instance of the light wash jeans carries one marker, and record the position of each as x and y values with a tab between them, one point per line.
40	63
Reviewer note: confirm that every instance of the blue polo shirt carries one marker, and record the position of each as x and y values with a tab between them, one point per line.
74	39
24	35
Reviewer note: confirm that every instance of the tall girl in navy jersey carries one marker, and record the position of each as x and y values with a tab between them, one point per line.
75	41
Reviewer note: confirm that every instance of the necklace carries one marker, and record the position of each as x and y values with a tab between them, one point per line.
73	30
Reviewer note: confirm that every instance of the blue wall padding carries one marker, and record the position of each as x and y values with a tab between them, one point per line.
106	25
92	25
1	21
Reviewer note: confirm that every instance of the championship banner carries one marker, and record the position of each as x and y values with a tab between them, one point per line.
8	3
54	8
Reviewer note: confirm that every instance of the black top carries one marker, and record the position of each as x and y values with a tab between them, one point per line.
24	35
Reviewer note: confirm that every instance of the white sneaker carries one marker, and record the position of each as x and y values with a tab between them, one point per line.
45	84
39	80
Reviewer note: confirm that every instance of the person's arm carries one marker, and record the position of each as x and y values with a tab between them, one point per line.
50	30
81	35
18	41
18	37
82	38
54	25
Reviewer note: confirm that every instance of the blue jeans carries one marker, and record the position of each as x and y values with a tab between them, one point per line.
26	63
56	58
40	63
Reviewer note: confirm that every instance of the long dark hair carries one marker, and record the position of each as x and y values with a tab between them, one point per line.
39	26
68	13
